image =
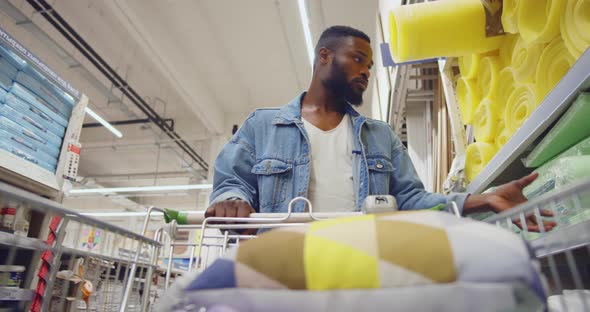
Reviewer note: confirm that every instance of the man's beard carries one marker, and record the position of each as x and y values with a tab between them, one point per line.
338	85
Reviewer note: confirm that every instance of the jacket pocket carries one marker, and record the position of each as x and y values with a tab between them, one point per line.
380	170
273	176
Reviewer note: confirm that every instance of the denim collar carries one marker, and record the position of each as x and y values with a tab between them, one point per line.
291	113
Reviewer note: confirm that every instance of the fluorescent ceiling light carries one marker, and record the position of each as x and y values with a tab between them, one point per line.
142	189
103	122
306	30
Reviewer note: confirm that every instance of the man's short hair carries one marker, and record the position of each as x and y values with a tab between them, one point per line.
331	37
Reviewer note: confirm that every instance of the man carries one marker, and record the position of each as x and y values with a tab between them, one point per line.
319	147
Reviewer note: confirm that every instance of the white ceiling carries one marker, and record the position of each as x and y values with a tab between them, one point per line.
204	63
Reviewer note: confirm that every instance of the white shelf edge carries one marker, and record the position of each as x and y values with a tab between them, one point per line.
16	294
555	103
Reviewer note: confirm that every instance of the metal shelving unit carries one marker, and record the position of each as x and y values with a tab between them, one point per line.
16	294
506	164
9	239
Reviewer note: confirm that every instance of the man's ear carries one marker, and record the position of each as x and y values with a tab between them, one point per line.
324	55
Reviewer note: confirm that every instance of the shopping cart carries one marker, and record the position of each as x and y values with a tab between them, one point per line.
563	252
70	262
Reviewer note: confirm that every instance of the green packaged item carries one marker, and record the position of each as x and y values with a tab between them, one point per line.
557	174
572	127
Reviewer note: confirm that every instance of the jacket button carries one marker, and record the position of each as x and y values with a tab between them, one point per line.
379	165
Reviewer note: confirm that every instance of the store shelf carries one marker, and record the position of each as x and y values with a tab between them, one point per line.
560	240
9	239
506	165
83	253
16	294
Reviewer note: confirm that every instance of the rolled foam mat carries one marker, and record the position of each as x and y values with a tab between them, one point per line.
572	127
506	49
441	28
469	65
575	26
554	63
524	60
485	121
510	16
478	155
487	79
506	86
469	97
538	20
521	103
503	136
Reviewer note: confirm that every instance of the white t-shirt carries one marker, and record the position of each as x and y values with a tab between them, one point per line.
330	184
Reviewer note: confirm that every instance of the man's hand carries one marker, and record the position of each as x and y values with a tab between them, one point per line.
506	197
230	209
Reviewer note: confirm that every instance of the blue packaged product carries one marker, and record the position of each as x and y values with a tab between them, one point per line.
7	146
30	124
49	85
7	69
36	114
14	59
5	82
45	93
27	96
12	127
24	144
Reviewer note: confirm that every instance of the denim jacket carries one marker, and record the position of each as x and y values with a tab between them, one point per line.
267	163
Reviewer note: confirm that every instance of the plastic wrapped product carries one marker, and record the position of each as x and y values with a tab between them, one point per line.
28	147
487	78
521	104
11	57
5	82
538	20
9	147
572	127
24	94
575	25
557	174
32	139
440	28
6	68
44	92
29	124
478	155
49	86
554	63
485	121
524	60
510	16
469	97
36	114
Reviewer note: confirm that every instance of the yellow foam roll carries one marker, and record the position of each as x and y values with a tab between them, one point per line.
524	60
538	20
478	155
439	28
575	26
487	79
521	103
554	63
485	121
510	16
469	65
506	85
503	137
469	97
506	49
